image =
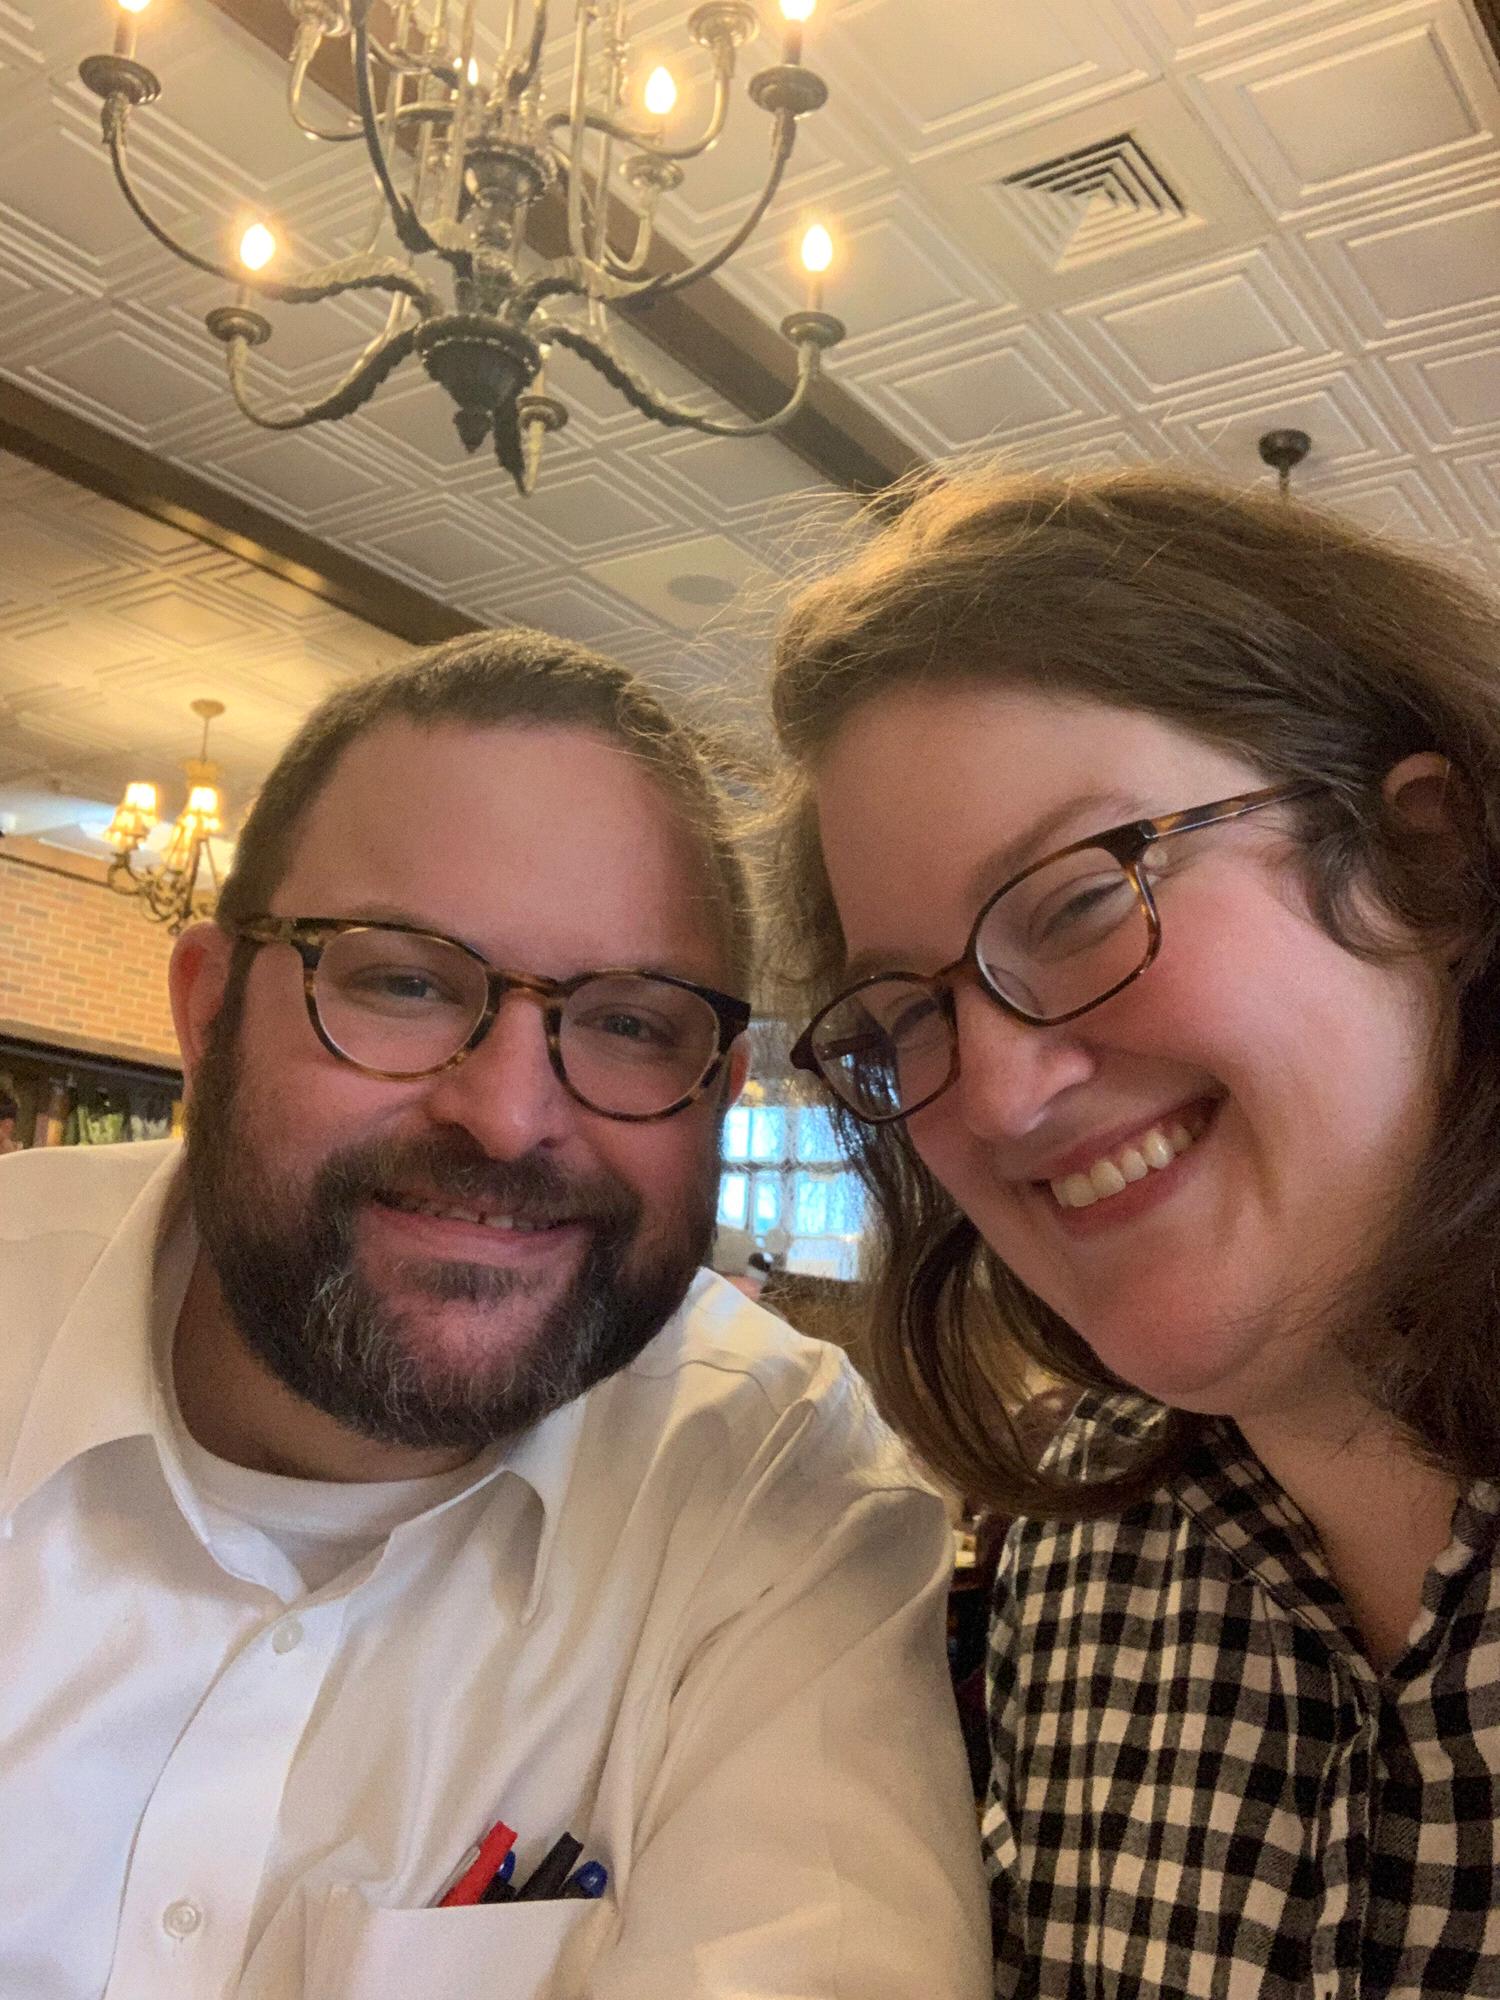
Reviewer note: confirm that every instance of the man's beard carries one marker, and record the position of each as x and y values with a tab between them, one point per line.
292	1288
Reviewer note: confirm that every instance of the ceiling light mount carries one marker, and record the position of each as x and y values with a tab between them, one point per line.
462	147
1284	450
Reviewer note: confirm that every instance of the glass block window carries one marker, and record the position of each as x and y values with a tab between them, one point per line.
785	1180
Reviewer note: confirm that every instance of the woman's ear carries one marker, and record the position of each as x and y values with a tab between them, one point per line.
196	979
1422	790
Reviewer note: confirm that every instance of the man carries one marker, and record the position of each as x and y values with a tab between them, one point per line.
10	1112
383	1471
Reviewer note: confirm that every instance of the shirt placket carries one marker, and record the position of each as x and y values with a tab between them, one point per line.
200	1851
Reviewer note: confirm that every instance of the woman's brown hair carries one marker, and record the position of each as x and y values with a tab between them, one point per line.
1312	650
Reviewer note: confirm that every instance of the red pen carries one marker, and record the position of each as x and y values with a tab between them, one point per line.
477	1869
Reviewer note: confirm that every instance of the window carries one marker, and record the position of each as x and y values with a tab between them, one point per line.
785	1180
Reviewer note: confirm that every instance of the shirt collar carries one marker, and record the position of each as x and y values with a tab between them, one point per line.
96	1383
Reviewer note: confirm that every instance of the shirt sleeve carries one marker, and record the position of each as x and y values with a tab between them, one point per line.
812	1833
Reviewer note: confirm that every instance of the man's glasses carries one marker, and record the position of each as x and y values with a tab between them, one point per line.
398	1002
1064	935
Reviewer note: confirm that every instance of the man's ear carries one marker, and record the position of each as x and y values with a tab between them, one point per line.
196	979
736	1070
1423	791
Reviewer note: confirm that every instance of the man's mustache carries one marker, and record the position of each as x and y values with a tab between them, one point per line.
453	1168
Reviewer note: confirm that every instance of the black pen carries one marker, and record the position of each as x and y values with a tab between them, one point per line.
552	1871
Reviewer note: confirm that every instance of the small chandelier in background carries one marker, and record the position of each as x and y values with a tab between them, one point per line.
458	160
171	885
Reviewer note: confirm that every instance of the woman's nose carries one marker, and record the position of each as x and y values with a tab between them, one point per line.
1009	1072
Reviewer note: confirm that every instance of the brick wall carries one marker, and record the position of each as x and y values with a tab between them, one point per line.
80	961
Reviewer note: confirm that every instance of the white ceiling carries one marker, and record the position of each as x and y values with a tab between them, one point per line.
1335	265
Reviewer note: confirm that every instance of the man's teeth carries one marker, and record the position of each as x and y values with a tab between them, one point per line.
447	1212
1158	1149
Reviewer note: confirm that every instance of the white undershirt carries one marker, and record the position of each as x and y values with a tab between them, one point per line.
321	1526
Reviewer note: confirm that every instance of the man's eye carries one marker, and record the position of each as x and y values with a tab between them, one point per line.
397	986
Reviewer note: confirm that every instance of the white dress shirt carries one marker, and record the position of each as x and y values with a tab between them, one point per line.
693	1619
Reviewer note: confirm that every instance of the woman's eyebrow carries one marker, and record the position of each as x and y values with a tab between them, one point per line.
1097	811
1074	818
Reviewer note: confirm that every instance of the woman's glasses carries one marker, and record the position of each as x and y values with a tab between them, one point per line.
397	1002
1064	935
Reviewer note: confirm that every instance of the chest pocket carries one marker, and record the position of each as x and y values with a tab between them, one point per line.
504	1951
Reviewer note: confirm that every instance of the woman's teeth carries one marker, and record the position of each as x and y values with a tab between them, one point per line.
1159	1148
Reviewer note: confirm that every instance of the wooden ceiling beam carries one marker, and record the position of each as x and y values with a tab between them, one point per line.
92	457
704	329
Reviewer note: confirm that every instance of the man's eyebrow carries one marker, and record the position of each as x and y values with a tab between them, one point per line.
1072	819
394	913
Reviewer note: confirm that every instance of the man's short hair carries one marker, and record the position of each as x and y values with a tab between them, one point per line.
492	680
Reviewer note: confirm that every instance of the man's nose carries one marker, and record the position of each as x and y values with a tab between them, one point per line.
505	1093
1009	1072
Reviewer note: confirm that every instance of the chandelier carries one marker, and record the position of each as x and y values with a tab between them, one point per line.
170	884
462	150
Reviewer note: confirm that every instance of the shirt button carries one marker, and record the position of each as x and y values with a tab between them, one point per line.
286	1636
180	1920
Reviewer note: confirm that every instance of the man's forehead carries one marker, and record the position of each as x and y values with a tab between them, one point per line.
550	829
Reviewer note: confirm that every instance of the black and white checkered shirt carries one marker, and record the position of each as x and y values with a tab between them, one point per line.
1202	1788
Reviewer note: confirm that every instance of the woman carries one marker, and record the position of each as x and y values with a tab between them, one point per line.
1142	843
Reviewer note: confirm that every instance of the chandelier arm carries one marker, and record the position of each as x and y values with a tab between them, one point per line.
309	40
356	389
612	128
626	268
410	232
521	79
355	275
781	151
645	399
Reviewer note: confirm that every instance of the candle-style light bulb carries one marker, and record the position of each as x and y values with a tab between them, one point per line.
127	26
660	93
473	71
257	247
794	13
817	255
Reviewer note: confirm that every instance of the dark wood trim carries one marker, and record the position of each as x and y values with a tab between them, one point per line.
1488	12
705	329
105	463
58	1047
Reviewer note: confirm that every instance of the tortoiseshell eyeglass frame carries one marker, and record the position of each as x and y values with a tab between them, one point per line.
309	936
1128	845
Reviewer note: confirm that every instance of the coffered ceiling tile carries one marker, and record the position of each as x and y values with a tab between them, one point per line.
1417	263
106	524
1043	58
1478	474
433	546
1010	384
1298	114
1239	316
895	272
300	477
743	479
57	181
18	42
1346	429
687	584
591	512
184	620
1451	387
1189	25
571	607
718	187
1397	501
352	647
121	373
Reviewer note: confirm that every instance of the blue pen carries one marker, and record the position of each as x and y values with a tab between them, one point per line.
498	1889
590	1881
